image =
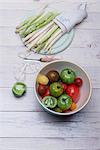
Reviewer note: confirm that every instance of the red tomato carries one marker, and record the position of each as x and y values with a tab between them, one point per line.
64	86
73	91
42	89
47	92
78	81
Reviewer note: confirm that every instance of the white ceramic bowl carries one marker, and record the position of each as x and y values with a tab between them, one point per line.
86	88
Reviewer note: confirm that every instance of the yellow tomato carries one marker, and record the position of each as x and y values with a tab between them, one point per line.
42	79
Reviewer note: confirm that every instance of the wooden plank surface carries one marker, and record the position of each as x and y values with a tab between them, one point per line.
23	124
49	143
41	124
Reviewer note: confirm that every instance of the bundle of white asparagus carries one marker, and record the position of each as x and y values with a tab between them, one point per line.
40	32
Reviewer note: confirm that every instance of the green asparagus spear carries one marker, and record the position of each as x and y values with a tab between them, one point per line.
47	21
24	22
23	33
39	24
46	17
32	20
31	25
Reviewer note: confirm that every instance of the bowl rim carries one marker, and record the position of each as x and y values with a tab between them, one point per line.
71	112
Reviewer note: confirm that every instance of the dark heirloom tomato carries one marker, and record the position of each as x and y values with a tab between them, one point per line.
53	76
42	89
73	92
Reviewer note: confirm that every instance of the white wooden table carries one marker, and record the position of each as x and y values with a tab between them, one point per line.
23	124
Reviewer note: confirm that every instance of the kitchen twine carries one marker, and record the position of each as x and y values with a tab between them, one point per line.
29	65
26	67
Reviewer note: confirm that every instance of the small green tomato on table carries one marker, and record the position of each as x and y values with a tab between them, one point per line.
19	89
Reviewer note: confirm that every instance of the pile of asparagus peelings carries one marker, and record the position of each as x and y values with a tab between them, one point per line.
40	32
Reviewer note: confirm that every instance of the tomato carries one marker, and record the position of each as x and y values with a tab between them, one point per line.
64	102
53	76
42	89
56	89
19	89
64	86
47	92
73	106
49	102
42	79
78	81
73	91
67	76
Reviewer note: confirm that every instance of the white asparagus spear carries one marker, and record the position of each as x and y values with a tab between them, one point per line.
47	27
52	38
52	29
32	44
30	36
53	42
